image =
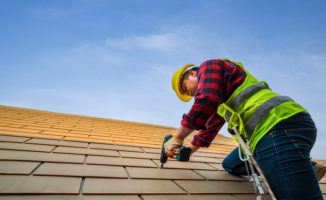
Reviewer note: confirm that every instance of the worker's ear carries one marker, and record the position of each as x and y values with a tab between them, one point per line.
193	73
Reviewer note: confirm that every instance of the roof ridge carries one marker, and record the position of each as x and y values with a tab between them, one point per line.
90	117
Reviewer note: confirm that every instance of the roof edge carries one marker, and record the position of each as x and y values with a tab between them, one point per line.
91	117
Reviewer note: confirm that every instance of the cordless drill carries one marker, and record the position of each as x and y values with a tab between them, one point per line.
183	155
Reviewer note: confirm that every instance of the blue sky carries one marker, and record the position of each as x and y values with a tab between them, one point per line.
114	59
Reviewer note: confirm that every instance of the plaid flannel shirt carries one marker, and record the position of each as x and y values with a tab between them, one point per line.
217	79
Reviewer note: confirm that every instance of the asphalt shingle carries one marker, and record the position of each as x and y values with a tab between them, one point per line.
46	155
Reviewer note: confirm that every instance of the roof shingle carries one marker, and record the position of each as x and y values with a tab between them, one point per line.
47	155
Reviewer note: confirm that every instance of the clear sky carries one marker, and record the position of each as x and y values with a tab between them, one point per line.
114	59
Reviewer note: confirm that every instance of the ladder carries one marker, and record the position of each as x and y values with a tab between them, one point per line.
250	163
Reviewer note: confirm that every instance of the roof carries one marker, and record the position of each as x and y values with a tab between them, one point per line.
61	156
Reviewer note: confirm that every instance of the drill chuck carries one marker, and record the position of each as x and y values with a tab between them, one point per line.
164	157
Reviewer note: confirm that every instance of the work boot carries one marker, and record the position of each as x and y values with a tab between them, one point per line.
319	169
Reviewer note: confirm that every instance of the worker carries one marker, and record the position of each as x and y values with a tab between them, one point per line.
280	131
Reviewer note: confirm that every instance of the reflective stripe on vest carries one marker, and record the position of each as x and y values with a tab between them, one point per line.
262	111
228	115
245	94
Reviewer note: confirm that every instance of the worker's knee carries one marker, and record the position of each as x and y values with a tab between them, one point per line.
233	164
235	168
226	166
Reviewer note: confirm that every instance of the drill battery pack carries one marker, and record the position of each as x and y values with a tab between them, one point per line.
184	153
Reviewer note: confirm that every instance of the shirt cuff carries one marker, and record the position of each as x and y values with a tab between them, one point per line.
199	141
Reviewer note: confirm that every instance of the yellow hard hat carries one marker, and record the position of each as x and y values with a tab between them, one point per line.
176	83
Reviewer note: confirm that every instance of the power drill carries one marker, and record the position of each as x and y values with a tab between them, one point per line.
183	155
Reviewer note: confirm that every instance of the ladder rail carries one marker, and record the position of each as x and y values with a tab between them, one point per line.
253	161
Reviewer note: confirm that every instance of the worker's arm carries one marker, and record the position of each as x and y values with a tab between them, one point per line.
217	79
205	136
176	141
193	148
182	133
201	139
209	95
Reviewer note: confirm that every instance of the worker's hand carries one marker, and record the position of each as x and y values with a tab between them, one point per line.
171	145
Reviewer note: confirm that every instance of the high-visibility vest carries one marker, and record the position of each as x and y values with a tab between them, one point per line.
254	109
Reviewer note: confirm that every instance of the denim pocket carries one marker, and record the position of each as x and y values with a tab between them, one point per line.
302	140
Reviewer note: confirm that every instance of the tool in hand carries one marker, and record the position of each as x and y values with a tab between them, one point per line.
249	160
183	152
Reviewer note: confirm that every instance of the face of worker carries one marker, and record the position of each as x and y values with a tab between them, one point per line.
190	85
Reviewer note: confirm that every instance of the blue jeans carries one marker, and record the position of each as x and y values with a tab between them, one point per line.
283	155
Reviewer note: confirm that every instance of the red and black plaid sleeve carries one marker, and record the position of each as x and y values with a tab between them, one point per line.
217	79
204	137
